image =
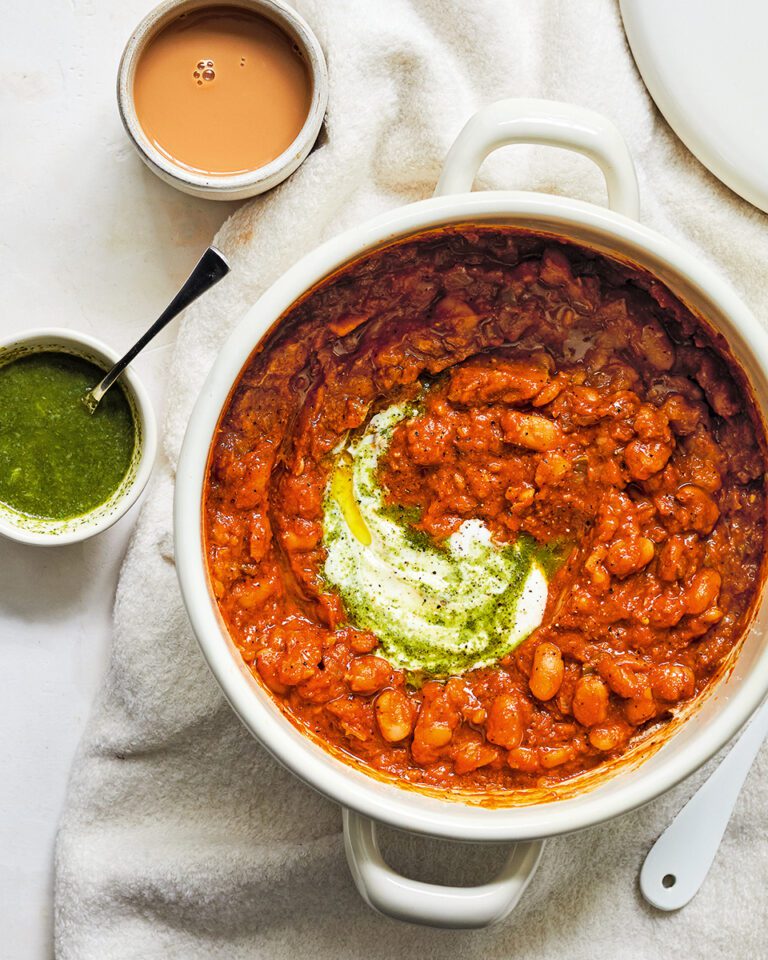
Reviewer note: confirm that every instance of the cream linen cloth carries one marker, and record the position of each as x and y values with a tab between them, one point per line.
181	837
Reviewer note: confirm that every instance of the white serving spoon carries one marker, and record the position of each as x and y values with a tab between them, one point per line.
679	861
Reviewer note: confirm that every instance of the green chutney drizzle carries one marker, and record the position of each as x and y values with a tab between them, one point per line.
438	609
58	461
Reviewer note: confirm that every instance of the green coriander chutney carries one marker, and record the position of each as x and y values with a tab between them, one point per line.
57	460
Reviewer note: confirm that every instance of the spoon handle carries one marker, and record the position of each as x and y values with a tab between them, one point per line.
211	268
679	861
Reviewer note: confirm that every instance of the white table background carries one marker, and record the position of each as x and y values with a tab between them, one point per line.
90	240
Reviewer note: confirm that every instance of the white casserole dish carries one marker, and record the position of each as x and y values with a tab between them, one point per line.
727	703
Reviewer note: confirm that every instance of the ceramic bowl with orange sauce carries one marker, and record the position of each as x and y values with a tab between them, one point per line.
223	98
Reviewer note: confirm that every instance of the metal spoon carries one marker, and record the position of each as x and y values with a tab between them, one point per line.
679	861
211	267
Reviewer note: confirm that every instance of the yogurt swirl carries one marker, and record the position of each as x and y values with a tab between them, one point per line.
437	609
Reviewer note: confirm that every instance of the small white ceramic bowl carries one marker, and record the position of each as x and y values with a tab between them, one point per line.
223	187
36	530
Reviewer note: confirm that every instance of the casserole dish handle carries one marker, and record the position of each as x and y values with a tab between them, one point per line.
431	904
550	123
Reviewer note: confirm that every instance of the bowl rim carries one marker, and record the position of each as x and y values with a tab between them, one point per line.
225	185
47	339
388	802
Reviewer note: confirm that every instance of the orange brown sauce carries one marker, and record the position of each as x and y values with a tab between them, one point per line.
572	399
221	91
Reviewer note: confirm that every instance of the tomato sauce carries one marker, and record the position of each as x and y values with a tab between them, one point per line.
560	396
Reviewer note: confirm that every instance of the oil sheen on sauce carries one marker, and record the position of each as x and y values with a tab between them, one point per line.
221	91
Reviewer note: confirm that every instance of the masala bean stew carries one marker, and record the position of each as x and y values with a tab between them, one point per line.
484	508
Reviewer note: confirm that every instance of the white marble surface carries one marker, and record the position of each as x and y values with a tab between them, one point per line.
93	241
